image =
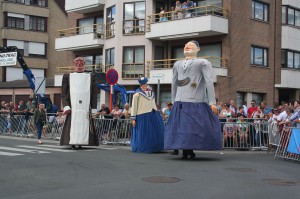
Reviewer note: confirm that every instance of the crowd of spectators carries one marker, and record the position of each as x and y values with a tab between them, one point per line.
178	11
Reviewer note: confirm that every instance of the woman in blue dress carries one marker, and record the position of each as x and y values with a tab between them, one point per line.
148	127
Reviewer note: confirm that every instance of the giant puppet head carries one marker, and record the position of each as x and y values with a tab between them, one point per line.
191	49
79	65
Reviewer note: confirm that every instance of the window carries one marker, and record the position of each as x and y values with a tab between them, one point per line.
290	16
14	22
34	49
42	3
37	23
91	60
290	59
133	62
110	21
109	57
259	56
258	97
218	3
260	11
89	25
240	98
134	18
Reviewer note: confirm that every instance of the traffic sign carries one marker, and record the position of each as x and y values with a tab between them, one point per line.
112	76
158	76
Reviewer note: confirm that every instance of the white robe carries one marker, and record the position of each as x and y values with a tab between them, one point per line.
80	84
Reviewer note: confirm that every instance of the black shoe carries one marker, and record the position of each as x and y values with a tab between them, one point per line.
192	155
175	152
73	147
79	147
185	154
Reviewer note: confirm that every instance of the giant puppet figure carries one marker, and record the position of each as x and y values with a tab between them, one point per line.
192	124
79	99
148	127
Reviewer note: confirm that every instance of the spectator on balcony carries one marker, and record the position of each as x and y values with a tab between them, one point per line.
172	13
178	10
189	5
251	109
162	15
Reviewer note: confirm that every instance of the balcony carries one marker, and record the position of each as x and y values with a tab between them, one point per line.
163	69
26	35
196	22
11	7
289	78
80	38
83	7
290	38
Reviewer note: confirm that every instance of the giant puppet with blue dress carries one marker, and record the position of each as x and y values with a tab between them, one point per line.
192	124
148	127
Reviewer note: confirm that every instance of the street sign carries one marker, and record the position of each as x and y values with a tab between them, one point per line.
40	85
158	76
8	59
112	76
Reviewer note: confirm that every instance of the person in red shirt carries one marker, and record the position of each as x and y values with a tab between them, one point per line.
252	108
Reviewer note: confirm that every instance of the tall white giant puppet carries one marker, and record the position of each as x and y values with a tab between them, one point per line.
79	99
192	124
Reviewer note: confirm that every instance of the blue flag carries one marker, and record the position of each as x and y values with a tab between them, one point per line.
294	145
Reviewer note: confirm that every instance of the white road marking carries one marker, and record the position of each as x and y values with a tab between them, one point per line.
45	148
21	150
9	154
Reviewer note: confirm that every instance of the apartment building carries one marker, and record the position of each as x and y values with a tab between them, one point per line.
31	25
253	45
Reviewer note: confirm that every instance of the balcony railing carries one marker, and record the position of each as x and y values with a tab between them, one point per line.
110	30
96	28
217	62
134	26
133	70
88	68
185	14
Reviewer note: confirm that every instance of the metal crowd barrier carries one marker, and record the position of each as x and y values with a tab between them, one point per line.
289	144
23	126
251	134
113	131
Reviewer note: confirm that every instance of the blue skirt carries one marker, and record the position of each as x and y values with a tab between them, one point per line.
193	126
148	134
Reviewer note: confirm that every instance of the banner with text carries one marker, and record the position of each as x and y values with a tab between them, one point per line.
8	59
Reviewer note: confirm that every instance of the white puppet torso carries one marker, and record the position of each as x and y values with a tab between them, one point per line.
80	88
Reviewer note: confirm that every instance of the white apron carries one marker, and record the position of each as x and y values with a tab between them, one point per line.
80	103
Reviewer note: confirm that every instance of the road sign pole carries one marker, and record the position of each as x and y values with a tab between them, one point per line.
158	91
110	97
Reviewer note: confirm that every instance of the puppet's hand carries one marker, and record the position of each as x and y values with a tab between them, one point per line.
133	122
214	108
67	112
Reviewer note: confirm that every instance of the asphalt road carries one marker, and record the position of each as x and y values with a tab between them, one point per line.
29	171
